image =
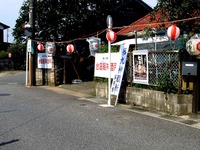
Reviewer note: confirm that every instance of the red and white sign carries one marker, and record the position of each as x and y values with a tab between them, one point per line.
102	64
173	32
70	48
111	36
44	61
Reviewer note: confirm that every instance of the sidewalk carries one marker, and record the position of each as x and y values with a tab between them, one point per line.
6	73
86	91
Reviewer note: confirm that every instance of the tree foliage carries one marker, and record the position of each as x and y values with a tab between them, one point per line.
18	52
18	32
3	54
175	10
65	19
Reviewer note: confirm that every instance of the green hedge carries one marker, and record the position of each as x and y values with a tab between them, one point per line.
3	54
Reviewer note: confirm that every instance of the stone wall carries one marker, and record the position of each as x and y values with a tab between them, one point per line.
171	103
45	77
6	64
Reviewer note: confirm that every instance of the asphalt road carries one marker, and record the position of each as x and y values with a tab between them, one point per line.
34	118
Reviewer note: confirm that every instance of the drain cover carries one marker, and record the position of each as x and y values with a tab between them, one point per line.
83	104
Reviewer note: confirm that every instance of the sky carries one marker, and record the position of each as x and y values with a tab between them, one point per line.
9	12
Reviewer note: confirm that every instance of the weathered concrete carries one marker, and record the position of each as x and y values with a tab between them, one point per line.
171	103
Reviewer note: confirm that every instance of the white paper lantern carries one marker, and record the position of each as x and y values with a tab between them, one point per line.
193	46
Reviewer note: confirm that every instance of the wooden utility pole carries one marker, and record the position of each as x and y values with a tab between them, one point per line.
32	79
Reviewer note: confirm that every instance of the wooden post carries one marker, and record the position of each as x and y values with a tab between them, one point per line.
32	77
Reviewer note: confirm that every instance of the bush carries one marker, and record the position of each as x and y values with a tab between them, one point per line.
3	54
104	48
18	52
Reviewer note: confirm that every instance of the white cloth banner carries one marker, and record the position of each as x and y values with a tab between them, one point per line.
116	84
101	64
44	61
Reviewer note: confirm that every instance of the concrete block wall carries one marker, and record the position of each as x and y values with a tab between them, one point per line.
156	100
101	90
45	77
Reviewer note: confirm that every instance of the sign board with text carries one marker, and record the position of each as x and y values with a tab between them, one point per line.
44	61
102	64
30	46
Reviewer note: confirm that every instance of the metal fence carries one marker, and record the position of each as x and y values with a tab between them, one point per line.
159	63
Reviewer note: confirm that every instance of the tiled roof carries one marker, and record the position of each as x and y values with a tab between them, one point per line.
143	23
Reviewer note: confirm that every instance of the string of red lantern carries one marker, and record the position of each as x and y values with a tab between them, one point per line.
102	31
159	23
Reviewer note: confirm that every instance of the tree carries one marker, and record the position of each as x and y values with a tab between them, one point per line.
175	10
18	52
65	20
18	32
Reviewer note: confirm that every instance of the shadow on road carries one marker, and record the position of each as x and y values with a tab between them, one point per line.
9	142
4	94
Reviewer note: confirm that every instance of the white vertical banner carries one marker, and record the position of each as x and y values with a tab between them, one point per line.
117	80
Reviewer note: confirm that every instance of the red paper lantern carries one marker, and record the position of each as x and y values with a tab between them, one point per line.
198	46
111	36
40	47
9	55
70	48
26	25
173	32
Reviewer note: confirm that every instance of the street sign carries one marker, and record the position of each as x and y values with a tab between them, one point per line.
109	22
30	46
